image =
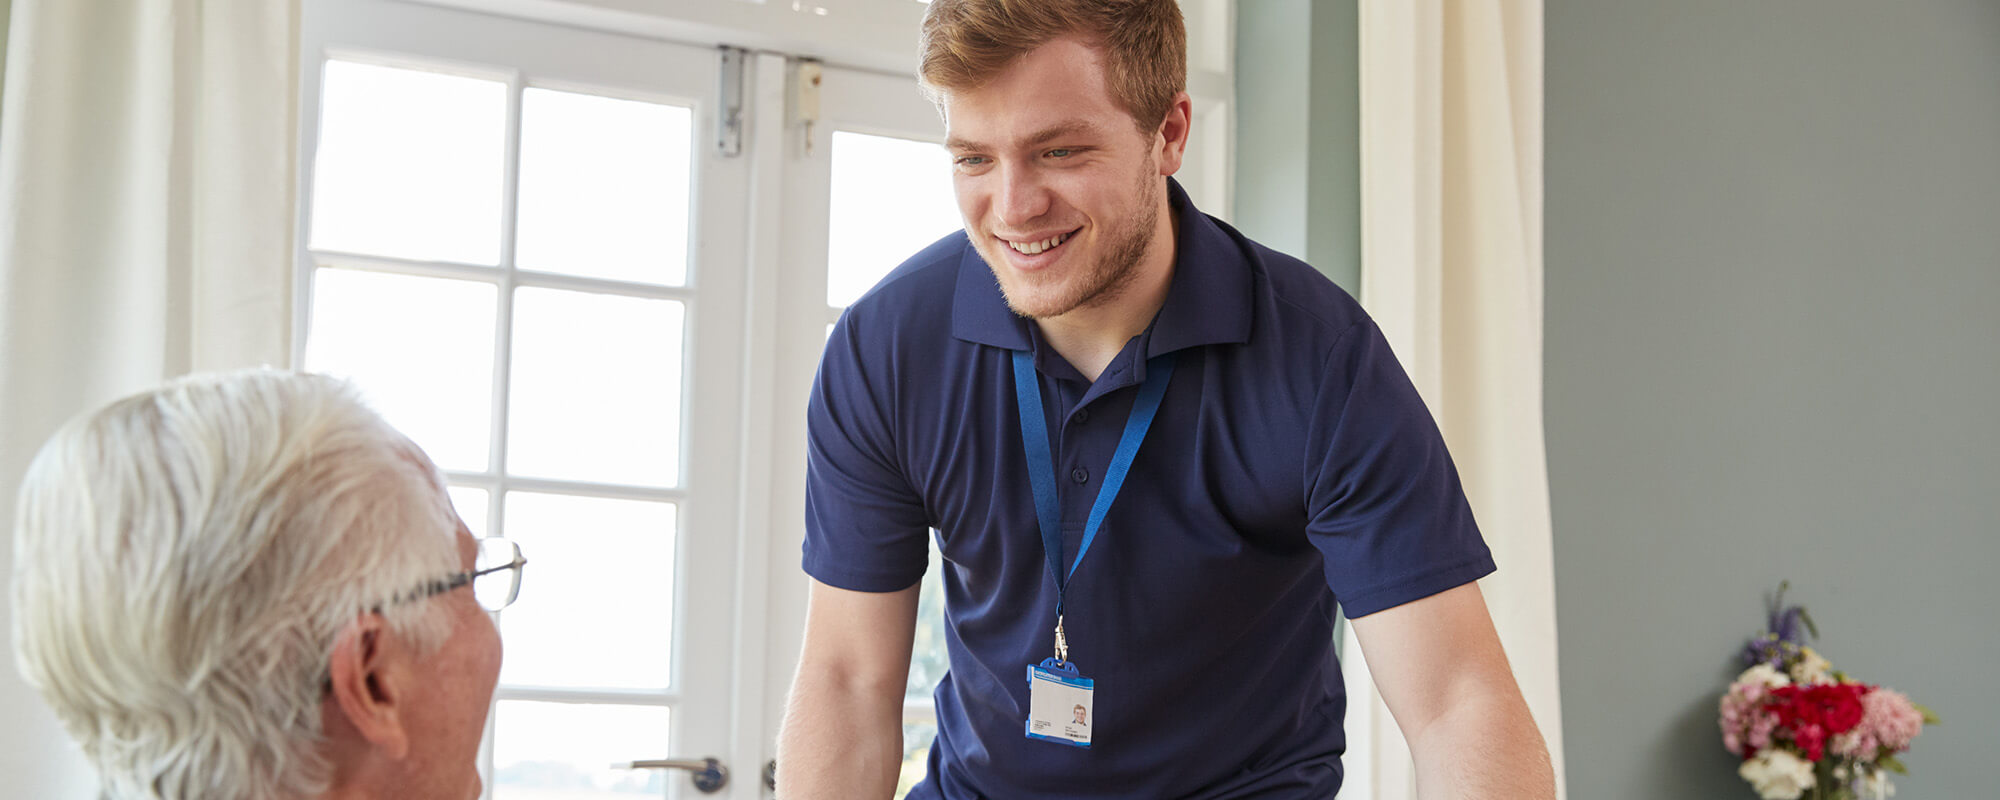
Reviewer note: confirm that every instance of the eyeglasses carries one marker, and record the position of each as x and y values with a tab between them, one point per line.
495	577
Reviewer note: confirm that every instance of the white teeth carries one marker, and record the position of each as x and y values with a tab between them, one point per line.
1036	248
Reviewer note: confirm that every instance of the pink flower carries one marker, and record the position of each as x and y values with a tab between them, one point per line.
1746	722
1888	720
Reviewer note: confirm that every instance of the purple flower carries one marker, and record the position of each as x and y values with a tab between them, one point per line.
1786	625
1767	648
1786	629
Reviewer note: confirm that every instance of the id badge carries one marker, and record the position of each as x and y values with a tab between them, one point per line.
1059	704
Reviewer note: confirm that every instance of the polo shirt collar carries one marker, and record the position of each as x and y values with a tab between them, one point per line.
979	312
1209	301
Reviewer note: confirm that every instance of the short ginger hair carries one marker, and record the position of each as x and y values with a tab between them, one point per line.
966	44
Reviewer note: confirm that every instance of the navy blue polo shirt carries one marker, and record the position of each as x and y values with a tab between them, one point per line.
1292	466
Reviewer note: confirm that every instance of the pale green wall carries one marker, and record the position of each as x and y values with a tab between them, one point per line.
1773	351
1298	174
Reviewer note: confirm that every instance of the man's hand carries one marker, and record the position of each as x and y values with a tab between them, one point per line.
1441	671
843	731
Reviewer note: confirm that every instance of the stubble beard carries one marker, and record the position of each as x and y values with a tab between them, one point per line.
1105	280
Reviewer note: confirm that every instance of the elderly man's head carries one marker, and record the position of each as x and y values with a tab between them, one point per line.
246	586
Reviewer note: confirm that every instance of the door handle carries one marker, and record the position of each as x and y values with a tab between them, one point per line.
708	774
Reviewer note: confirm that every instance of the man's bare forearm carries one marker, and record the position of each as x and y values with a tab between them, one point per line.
1487	748
843	732
839	741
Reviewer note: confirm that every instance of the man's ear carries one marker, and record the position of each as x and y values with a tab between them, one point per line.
365	687
1173	133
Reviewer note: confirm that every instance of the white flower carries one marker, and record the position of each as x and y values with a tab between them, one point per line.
1813	669
1877	786
1766	675
1777	774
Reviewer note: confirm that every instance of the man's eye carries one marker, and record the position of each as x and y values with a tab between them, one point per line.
970	161
1060	152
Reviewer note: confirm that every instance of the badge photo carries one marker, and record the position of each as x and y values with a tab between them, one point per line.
1059	704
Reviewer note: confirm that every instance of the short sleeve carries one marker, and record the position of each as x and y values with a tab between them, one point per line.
1384	503
865	524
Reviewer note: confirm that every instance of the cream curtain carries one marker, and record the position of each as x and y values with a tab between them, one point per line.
147	162
1451	159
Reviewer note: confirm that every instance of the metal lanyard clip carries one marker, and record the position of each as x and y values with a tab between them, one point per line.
1062	643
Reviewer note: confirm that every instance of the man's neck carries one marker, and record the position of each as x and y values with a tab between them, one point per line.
1089	338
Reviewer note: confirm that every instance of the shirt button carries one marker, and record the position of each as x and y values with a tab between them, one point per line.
1080	475
1082	415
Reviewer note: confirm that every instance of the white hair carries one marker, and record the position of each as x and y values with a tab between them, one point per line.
184	559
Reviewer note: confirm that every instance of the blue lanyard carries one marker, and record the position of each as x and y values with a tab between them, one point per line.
1042	472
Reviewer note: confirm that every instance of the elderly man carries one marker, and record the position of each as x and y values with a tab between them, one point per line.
250	586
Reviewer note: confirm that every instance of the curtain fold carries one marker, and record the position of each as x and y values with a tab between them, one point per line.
1451	138
147	169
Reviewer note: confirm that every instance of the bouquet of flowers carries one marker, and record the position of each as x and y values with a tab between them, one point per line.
1802	726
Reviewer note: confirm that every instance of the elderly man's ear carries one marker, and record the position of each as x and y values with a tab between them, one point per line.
371	687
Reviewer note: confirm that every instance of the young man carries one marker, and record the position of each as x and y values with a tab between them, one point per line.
249	587
1156	455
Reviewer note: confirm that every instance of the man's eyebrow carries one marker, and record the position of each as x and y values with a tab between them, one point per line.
1064	130
1043	136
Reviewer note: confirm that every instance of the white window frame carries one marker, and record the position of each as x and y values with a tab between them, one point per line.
708	500
766	313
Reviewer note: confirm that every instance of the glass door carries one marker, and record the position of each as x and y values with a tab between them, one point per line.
872	189
521	242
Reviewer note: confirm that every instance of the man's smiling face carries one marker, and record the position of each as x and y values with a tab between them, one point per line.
1060	190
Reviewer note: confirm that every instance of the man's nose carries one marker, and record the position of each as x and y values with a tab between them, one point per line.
1023	197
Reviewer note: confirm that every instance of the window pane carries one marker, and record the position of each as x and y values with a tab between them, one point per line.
596	388
471	505
929	660
420	349
927	666
596	608
917	738
561	751
604	187
410	164
891	197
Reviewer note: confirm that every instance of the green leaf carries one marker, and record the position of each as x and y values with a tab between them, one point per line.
1890	763
1807	619
1930	717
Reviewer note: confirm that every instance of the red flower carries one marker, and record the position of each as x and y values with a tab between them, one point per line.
1813	713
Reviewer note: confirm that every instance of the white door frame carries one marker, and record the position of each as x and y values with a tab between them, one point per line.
705	683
